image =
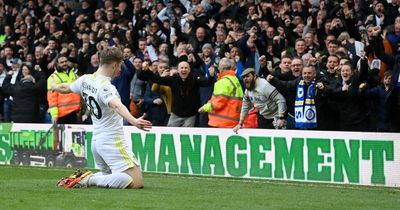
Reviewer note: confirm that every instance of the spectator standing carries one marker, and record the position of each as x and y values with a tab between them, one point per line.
199	39
16	77
354	115
2	95
165	92
224	106
123	81
306	102
138	88
394	87
63	108
208	58
185	93
262	95
379	95
156	109
25	93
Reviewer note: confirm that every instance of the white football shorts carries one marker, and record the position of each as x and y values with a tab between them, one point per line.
113	154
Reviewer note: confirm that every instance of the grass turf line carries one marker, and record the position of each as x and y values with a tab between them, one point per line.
34	188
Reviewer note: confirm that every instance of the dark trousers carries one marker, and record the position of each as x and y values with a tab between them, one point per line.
264	123
203	120
71	118
7	107
360	126
43	113
396	125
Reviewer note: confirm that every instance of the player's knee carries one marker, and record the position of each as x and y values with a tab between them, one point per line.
136	185
137	179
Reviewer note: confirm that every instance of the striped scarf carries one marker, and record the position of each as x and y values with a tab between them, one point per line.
305	110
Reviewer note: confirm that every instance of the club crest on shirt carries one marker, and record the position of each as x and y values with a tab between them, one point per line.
105	90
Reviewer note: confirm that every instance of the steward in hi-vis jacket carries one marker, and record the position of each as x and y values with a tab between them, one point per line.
225	104
63	108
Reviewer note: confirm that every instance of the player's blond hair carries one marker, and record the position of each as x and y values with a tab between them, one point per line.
110	55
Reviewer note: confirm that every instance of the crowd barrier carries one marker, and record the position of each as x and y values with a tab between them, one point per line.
358	158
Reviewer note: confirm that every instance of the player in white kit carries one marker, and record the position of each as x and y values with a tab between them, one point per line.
112	154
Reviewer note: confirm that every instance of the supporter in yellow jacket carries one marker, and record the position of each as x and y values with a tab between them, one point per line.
63	108
166	94
224	106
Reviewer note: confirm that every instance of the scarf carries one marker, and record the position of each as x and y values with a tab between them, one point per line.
305	110
398	82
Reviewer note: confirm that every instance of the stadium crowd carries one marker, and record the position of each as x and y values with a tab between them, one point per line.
290	64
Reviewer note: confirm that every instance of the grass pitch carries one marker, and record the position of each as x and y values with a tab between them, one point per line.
35	188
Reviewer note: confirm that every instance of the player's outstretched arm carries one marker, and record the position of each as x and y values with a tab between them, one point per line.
140	123
61	88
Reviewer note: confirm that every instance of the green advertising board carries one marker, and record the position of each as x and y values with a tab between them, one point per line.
330	157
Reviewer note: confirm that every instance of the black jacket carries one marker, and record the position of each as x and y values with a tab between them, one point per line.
185	93
352	106
289	90
394	64
25	108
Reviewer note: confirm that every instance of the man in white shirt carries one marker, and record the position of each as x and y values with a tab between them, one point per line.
119	167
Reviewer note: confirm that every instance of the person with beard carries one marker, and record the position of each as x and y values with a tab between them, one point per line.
262	95
63	108
94	64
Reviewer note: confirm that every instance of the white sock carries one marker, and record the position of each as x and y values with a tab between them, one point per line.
100	173
116	180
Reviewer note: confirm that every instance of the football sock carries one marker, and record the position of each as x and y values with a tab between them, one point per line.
100	173
116	180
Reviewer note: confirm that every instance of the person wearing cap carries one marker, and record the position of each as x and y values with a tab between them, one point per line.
226	101
262	95
208	61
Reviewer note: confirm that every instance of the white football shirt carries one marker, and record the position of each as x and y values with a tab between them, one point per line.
97	91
